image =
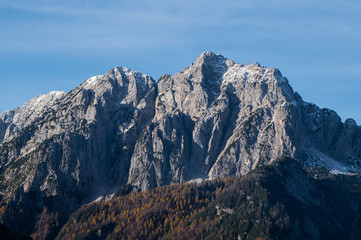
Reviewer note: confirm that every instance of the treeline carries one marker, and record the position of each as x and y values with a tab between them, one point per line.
280	201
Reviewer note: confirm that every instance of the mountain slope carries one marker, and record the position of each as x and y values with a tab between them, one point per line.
280	201
214	119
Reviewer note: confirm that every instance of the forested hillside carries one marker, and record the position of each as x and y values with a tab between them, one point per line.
272	202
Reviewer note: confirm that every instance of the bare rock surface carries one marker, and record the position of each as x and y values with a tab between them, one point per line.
218	118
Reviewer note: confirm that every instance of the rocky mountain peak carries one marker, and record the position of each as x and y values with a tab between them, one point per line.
208	66
211	59
213	76
121	83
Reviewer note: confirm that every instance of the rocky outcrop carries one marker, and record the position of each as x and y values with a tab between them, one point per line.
215	118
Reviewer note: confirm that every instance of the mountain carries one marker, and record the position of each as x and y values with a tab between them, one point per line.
216	118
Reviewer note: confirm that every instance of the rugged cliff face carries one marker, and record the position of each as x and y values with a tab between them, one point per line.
216	118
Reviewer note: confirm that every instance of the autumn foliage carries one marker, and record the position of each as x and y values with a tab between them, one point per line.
163	212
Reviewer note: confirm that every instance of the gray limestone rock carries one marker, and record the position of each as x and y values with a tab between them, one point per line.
218	118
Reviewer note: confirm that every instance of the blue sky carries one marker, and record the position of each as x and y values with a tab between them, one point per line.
55	45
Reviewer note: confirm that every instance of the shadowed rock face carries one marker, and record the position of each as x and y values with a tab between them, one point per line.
215	118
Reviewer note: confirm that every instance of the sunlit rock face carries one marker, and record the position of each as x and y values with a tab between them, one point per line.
218	118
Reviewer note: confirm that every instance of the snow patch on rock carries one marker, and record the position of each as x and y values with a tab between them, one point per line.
319	159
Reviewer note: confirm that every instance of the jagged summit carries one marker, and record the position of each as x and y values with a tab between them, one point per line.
214	119
214	74
115	73
210	58
224	69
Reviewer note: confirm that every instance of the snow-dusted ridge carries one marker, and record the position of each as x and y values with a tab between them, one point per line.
37	105
93	82
31	110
